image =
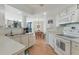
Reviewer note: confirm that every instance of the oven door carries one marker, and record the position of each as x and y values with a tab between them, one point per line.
62	46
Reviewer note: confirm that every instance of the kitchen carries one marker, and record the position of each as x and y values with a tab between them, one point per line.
65	36
58	22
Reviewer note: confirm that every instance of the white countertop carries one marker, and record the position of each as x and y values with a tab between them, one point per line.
67	38
72	39
9	46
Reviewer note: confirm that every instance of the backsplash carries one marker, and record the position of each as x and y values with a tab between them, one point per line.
72	29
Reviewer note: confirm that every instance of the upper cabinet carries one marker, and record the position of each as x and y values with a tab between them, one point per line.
69	14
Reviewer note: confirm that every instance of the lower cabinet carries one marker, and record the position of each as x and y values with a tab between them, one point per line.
21	53
50	39
75	48
47	37
17	38
24	40
62	45
27	39
31	40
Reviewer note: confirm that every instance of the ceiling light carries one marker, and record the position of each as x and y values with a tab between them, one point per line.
44	13
41	5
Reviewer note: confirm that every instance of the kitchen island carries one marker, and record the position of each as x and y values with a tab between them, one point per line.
10	47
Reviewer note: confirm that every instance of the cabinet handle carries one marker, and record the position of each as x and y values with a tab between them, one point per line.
67	42
76	46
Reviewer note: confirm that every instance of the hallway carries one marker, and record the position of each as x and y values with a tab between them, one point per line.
41	48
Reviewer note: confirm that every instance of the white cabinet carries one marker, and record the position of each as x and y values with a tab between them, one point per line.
47	36
73	16
27	39
21	53
75	48
24	40
69	14
16	38
51	39
65	19
77	15
31	39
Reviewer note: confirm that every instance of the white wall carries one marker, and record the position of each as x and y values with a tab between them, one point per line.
51	26
43	21
2	18
35	21
12	13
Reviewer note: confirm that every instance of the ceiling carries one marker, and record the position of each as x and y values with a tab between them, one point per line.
50	9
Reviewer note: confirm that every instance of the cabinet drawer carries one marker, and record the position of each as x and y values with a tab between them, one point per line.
63	39
17	38
75	48
21	53
24	41
74	44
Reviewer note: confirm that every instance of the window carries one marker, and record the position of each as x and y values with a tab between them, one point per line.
29	25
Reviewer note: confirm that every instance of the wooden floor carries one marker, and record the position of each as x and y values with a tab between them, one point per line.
41	48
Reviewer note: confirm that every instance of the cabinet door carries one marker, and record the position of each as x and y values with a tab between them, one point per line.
24	40
75	48
28	40
73	16
51	40
31	40
47	37
17	38
77	15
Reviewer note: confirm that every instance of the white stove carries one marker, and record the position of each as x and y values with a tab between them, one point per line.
72	30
